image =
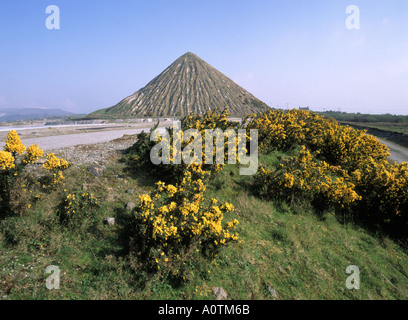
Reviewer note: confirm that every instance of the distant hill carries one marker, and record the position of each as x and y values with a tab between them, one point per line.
189	84
18	114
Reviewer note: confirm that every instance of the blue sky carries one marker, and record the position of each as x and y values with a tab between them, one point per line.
287	53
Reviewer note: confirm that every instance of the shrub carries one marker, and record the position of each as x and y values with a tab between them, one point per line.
13	162
77	208
33	154
175	223
349	167
139	154
13	143
56	166
302	177
284	130
336	144
384	189
6	160
347	147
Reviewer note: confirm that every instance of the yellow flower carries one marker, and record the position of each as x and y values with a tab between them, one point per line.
171	190
6	160
33	153
53	163
13	143
145	199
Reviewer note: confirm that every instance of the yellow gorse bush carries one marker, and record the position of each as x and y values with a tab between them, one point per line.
335	143
346	146
13	143
33	153
281	130
6	160
54	163
76	208
384	188
348	166
174	214
305	178
173	219
13	147
139	154
56	166
12	167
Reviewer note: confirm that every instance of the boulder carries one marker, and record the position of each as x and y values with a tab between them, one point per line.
96	171
130	206
110	221
220	293
272	291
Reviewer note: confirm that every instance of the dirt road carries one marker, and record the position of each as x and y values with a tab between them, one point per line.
398	153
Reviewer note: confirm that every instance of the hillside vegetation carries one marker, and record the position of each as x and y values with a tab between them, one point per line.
324	198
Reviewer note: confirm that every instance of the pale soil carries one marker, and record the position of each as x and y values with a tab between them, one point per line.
82	144
37	132
398	153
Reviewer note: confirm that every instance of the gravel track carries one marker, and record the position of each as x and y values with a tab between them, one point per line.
397	152
71	140
87	147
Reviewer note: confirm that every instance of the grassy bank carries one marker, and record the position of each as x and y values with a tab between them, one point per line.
286	246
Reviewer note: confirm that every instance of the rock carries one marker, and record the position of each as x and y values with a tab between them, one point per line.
272	291
130	191
84	187
96	171
220	293
110	221
130	206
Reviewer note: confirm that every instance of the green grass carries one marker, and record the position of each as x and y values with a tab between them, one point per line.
301	254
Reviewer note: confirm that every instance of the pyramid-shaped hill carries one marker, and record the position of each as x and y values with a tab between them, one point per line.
188	85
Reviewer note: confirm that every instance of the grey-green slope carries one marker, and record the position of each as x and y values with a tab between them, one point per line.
189	84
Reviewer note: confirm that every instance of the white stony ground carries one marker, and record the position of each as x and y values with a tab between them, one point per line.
71	140
94	145
96	153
